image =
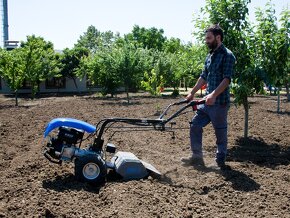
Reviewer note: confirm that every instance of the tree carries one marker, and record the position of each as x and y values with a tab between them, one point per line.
70	60
172	45
152	82
93	39
186	60
100	69
231	15
40	61
272	47
130	63
190	63
284	49
165	66
12	69
162	72
151	38
120	65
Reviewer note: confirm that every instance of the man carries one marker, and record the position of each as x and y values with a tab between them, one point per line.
217	73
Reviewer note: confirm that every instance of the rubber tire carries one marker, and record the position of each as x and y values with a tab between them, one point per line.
96	160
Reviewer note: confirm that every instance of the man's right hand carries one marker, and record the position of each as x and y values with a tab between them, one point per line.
200	82
190	97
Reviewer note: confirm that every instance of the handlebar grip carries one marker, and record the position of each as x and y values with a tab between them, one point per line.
181	102
197	102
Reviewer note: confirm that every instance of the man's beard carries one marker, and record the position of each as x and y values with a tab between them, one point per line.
212	45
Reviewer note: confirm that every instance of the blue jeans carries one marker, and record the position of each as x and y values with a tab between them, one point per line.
217	115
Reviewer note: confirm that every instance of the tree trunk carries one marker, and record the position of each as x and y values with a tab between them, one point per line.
32	90
246	123
16	98
77	88
127	93
128	98
38	89
278	101
287	90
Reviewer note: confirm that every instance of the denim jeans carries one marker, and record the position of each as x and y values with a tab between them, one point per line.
217	115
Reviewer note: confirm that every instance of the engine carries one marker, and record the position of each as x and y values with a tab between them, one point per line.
63	146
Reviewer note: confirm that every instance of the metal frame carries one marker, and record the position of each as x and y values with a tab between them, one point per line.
158	124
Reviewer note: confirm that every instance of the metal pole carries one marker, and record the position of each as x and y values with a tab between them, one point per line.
5	21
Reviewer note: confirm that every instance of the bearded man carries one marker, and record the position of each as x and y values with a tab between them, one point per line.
217	74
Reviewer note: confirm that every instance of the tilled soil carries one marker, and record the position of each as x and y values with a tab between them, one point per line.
256	184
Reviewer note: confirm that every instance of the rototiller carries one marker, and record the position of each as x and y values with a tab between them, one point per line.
63	138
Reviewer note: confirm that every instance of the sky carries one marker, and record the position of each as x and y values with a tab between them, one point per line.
62	22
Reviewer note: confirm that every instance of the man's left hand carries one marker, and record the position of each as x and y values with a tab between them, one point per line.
210	99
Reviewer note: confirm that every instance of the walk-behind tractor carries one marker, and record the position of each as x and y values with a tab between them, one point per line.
64	136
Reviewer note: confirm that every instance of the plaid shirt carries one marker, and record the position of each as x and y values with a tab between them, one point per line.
219	64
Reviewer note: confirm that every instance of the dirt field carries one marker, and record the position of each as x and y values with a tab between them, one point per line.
257	185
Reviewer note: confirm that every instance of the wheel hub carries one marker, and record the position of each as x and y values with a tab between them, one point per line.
91	171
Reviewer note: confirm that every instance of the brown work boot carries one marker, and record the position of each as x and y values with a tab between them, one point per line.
198	161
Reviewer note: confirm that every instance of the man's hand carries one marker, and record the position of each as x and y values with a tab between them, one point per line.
210	99
189	97
200	82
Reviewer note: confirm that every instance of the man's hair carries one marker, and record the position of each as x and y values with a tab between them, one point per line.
216	30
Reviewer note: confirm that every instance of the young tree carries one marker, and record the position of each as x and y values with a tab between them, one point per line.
190	63
12	69
130	63
272	47
231	15
161	73
70	60
187	60
40	62
100	69
284	48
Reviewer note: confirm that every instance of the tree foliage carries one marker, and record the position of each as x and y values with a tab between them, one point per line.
151	38
12	69
284	48
40	61
70	60
101	71
231	16
94	39
190	63
145	58
272	46
160	72
266	43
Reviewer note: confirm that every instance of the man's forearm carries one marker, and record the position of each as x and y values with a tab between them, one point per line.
211	98
200	82
222	86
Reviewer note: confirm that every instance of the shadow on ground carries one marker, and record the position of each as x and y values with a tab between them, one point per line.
256	151
68	182
279	113
238	180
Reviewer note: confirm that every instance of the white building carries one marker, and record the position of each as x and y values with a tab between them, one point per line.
54	85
